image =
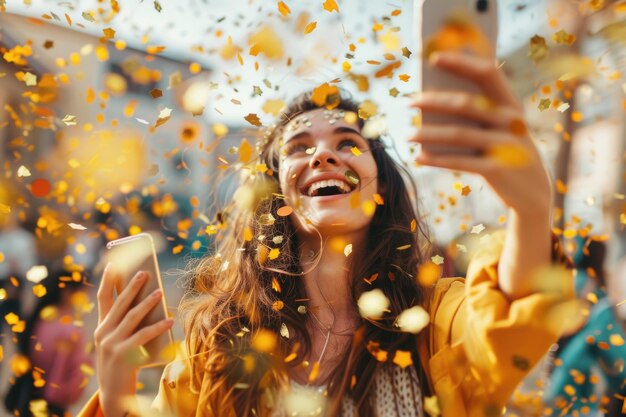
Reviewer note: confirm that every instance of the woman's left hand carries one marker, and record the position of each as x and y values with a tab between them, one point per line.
505	154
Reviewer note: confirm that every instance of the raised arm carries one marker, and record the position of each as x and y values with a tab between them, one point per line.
506	158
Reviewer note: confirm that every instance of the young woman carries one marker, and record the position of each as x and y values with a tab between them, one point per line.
274	311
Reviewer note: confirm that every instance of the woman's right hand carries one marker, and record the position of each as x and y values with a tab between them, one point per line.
118	339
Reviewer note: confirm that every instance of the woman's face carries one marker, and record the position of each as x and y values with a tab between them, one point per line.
327	172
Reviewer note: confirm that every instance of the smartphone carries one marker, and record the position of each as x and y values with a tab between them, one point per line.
127	256
467	26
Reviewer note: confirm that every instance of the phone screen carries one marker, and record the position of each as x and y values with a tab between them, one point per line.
127	256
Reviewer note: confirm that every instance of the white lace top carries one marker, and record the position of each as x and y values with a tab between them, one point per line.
397	394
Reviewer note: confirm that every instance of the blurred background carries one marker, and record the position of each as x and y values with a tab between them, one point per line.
122	117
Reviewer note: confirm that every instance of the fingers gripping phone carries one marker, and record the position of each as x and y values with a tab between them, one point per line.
127	256
467	26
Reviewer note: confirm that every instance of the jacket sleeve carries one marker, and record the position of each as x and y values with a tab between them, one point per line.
483	344
174	398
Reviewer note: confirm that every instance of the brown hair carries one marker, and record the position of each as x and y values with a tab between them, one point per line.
240	298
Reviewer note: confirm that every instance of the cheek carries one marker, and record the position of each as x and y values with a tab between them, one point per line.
287	174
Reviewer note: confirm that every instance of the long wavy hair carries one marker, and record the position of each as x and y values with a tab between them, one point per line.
239	298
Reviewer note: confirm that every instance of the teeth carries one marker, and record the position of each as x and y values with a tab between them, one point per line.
342	185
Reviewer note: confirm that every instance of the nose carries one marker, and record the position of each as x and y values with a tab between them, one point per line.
323	157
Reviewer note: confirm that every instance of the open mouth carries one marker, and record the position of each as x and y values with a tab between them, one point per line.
328	187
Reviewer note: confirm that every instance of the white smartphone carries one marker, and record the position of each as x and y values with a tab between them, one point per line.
467	26
128	256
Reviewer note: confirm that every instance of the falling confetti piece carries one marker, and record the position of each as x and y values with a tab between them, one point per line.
39	290
331	6
563	107
69	120
477	229
220	130
264	341
325	95
402	358
413	225
77	226
4	209
413	320
273	253
37	273
88	17
616	340
428	273
267	42
30	79
284	211
22	171
347	250
310	28
253	119
544	104
562	37
156	93
245	151
273	107
283	8
431	406
437	259
538	49
372	304
378	199
41	187
355	151
284	331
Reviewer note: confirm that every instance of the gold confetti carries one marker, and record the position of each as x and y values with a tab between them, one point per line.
284	211
403	358
413	320
39	290
347	250
310	28
325	95
37	273
616	340
30	79
283	8
356	151
562	37
544	104
437	259
273	107
331	6
69	120
373	304
253	119
264	341
538	49
477	229
22	171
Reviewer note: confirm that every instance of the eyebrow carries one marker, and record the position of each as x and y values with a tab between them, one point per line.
339	130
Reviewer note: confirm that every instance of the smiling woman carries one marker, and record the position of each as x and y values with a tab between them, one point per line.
315	302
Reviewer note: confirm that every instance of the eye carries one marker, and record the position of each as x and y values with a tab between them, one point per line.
347	143
294	147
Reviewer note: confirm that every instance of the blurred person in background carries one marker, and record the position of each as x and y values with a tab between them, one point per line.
18	253
53	349
589	364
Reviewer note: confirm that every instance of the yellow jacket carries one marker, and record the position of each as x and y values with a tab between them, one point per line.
478	346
